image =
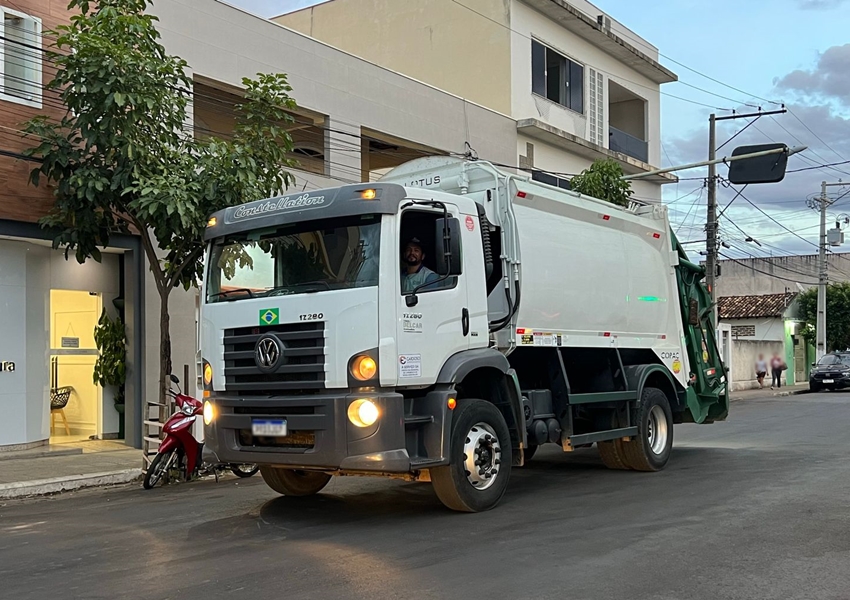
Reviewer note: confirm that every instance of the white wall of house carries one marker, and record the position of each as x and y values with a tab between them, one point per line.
769	338
528	23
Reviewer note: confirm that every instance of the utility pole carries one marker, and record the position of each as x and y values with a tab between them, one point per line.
711	217
821	204
820	333
711	212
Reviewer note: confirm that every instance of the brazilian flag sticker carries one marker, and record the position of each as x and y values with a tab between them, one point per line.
269	316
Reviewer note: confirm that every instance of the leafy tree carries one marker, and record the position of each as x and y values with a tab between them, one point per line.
603	180
123	161
110	367
837	315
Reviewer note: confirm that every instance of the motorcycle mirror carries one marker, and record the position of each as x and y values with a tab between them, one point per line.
174	378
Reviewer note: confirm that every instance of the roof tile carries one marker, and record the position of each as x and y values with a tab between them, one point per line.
747	307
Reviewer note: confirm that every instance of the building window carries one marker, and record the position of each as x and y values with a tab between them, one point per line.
550	179
556	77
310	158
20	58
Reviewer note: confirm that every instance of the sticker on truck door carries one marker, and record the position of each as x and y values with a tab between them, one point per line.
409	365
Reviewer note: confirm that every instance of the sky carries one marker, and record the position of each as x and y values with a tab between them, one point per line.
795	52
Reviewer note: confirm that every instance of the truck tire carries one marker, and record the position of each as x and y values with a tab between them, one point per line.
294	482
650	450
480	461
613	455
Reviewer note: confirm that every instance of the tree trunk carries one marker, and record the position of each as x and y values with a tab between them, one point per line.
164	354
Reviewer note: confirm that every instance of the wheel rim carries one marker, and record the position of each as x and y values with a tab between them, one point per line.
161	469
482	456
657	431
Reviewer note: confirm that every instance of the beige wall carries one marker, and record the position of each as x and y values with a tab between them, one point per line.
435	41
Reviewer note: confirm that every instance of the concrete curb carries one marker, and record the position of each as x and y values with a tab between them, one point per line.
735	398
54	485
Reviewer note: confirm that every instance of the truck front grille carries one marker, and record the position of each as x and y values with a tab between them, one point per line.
303	368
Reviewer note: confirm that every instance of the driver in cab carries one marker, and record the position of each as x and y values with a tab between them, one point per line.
413	272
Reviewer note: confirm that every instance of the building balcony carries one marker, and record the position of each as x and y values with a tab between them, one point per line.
624	143
536	129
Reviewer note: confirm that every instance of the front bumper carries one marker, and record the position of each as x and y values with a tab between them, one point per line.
837	380
319	434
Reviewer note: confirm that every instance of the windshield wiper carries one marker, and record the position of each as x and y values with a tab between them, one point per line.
226	293
300	284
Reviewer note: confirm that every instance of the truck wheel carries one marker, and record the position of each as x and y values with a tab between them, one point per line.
650	450
294	482
480	464
613	455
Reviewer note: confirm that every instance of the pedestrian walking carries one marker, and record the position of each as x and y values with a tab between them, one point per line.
761	370
777	365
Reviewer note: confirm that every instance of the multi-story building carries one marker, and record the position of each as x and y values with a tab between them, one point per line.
579	85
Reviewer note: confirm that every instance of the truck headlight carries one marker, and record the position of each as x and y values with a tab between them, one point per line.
363	412
209	412
364	367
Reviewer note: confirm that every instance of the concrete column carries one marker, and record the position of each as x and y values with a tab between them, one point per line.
343	152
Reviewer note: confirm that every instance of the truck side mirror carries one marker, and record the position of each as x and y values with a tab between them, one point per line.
447	247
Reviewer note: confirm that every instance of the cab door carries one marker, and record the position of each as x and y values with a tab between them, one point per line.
437	325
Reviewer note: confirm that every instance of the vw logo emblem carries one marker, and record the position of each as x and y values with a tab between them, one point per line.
268	353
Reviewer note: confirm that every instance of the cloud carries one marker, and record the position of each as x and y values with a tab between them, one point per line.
830	79
819	4
821	112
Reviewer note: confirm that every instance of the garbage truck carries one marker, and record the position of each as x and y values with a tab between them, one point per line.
442	324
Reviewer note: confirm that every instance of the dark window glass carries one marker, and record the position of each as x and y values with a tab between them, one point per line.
556	77
576	87
538	68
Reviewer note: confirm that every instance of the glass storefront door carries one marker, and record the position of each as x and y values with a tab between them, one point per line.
75	400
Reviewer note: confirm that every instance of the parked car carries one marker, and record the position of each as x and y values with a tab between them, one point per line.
831	372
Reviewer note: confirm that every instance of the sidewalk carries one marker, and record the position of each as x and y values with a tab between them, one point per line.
768	393
63	467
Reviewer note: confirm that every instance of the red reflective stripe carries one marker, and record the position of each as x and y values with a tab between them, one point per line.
606	217
520	194
656	235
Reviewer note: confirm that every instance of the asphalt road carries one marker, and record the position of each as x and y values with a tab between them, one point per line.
755	508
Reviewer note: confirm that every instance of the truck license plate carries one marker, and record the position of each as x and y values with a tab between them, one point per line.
275	428
828	381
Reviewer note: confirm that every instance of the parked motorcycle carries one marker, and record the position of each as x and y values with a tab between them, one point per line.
180	454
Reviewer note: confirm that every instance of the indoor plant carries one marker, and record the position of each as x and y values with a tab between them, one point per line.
110	367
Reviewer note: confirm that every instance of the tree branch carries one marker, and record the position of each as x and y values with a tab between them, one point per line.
150	251
193	256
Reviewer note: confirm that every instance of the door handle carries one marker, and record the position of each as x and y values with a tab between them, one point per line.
464	319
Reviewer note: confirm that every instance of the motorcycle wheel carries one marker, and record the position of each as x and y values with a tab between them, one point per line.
158	469
245	470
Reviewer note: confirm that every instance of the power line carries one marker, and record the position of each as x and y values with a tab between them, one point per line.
793	114
743	264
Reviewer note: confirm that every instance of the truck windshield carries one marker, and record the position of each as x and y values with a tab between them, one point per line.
297	258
